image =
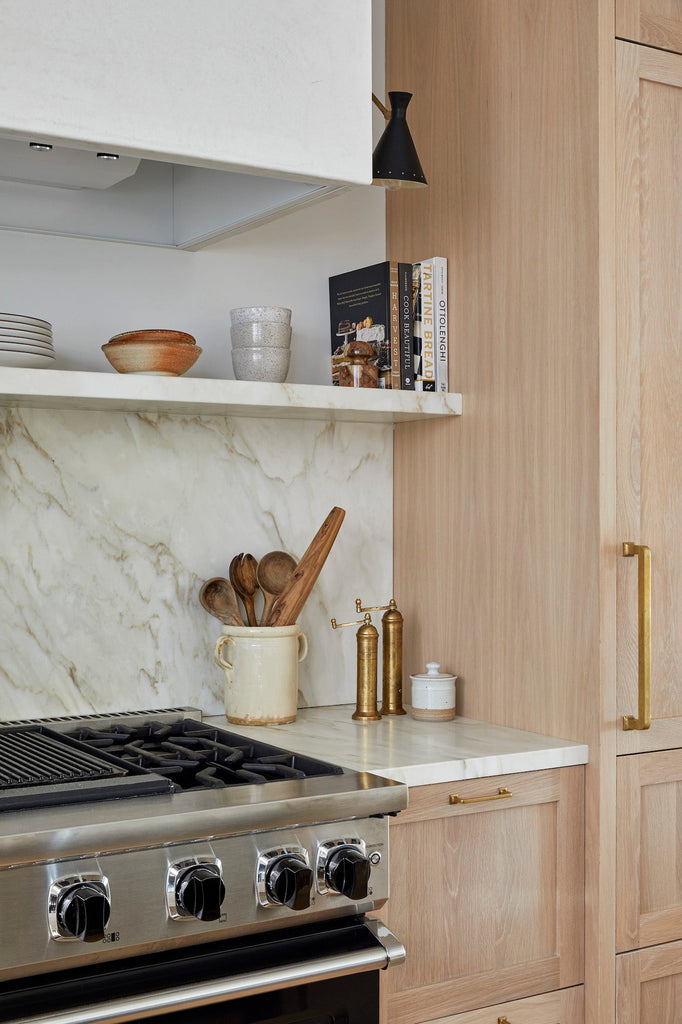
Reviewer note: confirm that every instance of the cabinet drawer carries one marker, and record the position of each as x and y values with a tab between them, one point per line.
564	1007
653	22
486	895
648	880
649	985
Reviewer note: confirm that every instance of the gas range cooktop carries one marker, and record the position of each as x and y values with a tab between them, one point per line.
40	767
218	836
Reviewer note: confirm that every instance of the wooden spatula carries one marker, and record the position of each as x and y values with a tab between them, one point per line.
303	578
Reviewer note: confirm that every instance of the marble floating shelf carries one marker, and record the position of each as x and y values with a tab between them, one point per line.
75	389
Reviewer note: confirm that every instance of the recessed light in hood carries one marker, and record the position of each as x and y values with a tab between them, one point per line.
38	162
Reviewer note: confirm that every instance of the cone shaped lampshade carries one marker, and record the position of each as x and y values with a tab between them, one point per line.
395	163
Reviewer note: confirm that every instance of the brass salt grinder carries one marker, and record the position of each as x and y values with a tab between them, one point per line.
368	646
392	656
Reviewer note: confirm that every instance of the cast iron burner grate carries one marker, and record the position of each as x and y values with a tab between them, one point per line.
194	756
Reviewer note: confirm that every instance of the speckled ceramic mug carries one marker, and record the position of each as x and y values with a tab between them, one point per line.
269	364
261	669
247	314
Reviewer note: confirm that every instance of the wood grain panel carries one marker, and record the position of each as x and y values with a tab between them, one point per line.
653	22
487	896
649	183
649	849
508	138
649	985
513	117
563	1007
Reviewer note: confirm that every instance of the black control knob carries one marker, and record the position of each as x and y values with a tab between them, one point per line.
200	893
348	872
83	912
289	881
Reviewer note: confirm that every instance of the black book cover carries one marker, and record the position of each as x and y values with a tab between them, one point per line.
365	306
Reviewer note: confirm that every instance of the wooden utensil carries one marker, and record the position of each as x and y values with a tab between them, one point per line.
303	578
243	576
218	597
274	572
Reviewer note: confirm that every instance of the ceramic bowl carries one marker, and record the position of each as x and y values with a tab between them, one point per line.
260	334
246	314
268	364
156	358
129	337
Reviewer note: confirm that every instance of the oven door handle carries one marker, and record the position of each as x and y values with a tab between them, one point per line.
387	951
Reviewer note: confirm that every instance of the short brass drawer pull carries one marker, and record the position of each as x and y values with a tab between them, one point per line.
502	1020
500	795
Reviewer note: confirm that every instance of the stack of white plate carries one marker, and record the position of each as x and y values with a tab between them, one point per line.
25	341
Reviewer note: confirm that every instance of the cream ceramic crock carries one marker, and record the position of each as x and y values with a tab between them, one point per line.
261	669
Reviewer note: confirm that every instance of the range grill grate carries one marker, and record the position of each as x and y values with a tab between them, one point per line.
42	768
32	757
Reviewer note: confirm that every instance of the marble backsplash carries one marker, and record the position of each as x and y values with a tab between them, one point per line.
109	523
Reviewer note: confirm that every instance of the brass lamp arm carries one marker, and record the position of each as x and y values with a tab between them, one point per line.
384	110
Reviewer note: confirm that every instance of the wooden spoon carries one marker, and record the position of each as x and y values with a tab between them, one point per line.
218	597
244	578
274	572
303	578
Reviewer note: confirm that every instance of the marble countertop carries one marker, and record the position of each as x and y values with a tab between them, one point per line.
416	753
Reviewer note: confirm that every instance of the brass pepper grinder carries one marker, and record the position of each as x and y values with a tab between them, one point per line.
368	645
392	656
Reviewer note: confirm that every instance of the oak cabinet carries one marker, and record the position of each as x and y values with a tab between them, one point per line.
649	985
487	894
648	882
564	1007
553	153
649	382
653	22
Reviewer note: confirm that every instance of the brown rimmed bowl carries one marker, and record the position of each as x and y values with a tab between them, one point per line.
156	358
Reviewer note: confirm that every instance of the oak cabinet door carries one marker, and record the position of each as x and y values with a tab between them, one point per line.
563	1007
653	22
487	895
649	383
648	877
649	986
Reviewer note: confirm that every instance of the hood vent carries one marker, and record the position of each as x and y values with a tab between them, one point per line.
40	162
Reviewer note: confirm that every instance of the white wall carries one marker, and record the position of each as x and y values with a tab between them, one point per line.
91	290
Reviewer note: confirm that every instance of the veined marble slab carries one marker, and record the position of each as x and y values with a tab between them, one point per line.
195	396
110	522
417	753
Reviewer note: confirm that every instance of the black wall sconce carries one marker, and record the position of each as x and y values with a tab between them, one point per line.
395	163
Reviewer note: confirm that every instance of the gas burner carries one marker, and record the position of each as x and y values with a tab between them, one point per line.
195	756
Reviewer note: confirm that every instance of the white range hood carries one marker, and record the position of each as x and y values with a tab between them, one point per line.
212	116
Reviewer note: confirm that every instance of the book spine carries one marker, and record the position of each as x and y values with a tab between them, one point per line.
394	323
440	306
406	327
416	324
427	368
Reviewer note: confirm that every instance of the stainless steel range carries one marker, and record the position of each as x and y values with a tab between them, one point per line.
155	867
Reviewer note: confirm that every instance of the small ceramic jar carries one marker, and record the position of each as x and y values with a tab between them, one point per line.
433	694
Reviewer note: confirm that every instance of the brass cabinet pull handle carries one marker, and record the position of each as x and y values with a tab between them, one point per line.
502	1020
643	719
500	795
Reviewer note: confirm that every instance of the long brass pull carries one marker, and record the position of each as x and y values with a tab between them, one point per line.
643	719
500	795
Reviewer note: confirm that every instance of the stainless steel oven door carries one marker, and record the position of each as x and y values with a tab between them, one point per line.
278	978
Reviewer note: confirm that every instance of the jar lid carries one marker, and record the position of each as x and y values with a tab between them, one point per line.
433	674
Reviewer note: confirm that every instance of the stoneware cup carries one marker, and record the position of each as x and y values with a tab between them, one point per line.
267	364
260	333
261	669
247	314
